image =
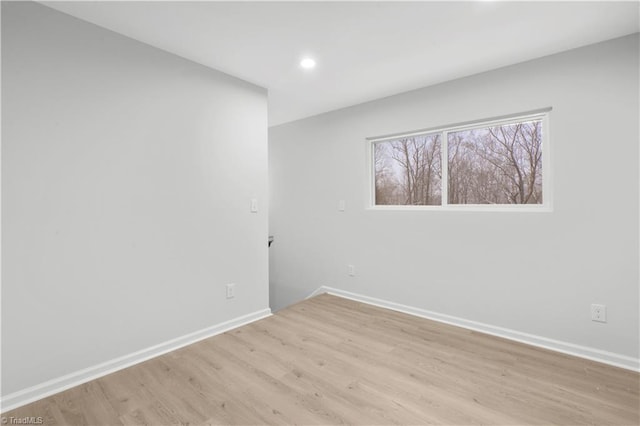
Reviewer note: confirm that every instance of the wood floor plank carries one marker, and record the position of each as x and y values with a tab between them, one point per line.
329	360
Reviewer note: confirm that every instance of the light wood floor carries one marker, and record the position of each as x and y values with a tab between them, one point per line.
329	360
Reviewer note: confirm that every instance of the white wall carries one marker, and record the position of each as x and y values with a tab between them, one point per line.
535	273
127	174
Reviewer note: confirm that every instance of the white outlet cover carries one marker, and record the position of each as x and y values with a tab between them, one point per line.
598	313
231	291
351	270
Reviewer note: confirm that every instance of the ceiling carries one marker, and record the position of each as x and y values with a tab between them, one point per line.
364	50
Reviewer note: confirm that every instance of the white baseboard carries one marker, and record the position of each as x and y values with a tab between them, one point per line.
42	390
593	354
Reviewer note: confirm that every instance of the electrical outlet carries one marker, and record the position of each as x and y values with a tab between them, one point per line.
598	313
342	206
351	270
231	291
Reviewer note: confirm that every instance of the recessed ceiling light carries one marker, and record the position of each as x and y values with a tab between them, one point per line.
307	63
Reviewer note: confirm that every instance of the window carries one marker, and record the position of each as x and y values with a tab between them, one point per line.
483	165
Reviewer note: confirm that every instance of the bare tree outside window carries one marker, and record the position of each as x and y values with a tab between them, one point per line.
408	171
496	164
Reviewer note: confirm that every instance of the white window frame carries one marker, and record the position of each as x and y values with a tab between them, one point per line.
547	196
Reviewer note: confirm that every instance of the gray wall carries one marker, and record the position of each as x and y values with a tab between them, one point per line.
535	273
127	175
